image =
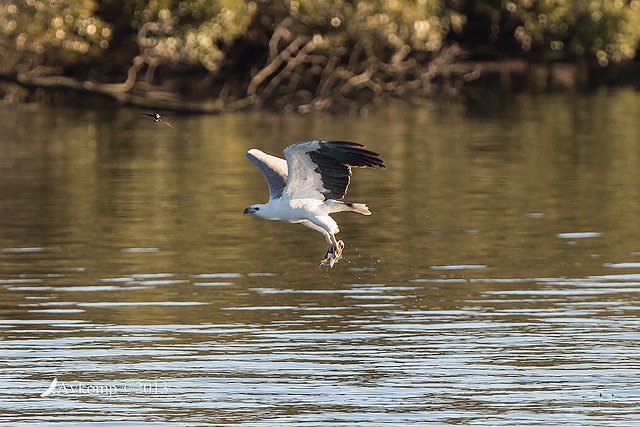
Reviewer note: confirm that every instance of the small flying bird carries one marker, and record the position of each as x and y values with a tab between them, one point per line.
308	186
158	118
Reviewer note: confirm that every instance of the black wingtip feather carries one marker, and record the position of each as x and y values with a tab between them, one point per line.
351	154
334	160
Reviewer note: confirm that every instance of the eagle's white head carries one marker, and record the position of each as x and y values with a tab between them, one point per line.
259	210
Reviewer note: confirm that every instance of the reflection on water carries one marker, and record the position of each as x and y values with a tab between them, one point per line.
496	283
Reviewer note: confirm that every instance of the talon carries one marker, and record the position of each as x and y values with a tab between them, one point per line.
328	252
333	254
328	262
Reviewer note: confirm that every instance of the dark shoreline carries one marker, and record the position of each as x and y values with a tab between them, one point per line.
465	80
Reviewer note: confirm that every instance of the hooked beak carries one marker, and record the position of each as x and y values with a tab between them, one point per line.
248	211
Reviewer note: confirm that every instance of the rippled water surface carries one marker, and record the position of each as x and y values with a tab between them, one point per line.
497	283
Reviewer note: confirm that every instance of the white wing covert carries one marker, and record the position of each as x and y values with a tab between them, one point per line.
322	169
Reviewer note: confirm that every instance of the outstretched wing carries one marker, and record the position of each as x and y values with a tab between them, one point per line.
274	170
322	169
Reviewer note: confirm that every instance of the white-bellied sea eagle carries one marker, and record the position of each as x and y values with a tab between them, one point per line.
308	186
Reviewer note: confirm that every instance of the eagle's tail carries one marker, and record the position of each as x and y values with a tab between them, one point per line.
361	208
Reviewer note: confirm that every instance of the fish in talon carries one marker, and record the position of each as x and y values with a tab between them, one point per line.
334	250
329	260
333	254
329	252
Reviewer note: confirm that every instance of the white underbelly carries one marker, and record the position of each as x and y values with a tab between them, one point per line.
298	210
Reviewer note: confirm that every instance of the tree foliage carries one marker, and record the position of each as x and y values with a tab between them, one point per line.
51	31
191	31
257	51
607	30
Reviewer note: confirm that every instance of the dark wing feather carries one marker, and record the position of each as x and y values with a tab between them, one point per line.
334	160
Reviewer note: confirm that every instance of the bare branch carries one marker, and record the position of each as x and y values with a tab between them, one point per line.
273	66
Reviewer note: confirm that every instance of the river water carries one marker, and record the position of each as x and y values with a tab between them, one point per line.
496	283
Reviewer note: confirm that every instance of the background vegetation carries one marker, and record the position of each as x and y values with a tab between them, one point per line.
305	54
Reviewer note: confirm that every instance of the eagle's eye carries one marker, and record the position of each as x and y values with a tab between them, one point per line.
257	209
